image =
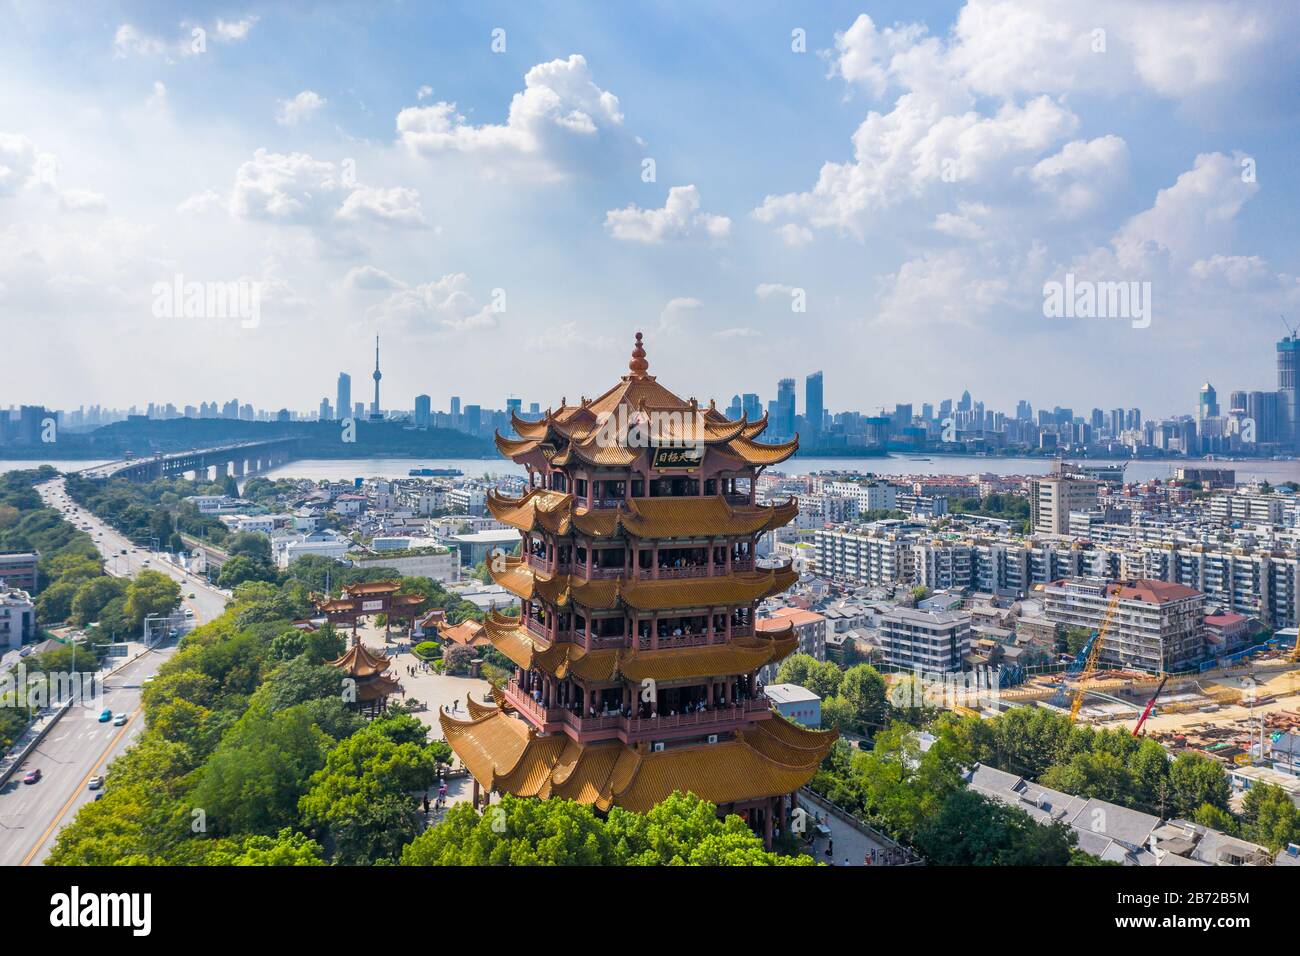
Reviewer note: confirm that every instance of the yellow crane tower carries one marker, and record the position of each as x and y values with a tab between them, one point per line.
1094	652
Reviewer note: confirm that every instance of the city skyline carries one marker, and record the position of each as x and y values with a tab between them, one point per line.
460	190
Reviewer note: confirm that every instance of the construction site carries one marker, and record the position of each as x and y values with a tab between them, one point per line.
1201	711
1228	712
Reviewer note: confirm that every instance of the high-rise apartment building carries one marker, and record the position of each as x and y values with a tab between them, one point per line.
1054	496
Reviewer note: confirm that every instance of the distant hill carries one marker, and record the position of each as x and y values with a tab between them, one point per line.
319	439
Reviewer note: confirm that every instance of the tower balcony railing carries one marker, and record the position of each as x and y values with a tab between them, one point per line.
692	571
538	562
713	716
611	724
608	502
598	574
538	629
522	701
676	640
588	724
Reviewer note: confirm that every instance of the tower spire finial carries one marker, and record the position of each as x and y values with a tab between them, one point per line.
638	366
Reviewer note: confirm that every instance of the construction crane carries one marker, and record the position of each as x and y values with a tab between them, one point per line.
1094	652
1137	731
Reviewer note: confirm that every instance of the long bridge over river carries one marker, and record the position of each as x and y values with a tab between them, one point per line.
212	464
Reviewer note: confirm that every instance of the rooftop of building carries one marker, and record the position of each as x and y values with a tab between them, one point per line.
795	615
789	694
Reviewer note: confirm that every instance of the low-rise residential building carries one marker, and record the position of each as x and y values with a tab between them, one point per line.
933	641
1226	631
18	569
1156	626
17	618
290	546
809	627
1242	778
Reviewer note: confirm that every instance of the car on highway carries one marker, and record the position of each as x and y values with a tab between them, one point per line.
189	611
33	776
105	715
191	595
95	782
119	720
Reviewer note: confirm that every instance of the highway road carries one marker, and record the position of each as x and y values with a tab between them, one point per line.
79	747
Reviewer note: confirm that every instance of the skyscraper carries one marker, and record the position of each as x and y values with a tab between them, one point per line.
785	407
814	410
343	400
326	413
1208	407
1262	408
1288	364
423	409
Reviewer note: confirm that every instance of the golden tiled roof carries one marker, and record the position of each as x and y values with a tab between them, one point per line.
359	661
371	587
675	593
702	517
684	517
485	743
468	632
376	687
664	594
740	656
582	433
770	758
478	708
757	453
727	772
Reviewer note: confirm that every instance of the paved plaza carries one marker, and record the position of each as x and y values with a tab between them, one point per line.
430	688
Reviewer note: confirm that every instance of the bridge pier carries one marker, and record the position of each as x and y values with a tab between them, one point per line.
221	469
239	468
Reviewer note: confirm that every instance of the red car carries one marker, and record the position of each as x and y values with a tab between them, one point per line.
32	776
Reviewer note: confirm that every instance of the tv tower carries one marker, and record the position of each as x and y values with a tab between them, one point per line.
375	414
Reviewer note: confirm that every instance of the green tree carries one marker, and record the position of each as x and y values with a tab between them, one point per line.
54	604
93	595
151	592
242	568
1195	780
363	801
1269	817
821	677
865	690
255	777
972	830
1099	776
250	544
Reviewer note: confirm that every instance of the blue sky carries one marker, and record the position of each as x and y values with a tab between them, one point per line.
914	176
